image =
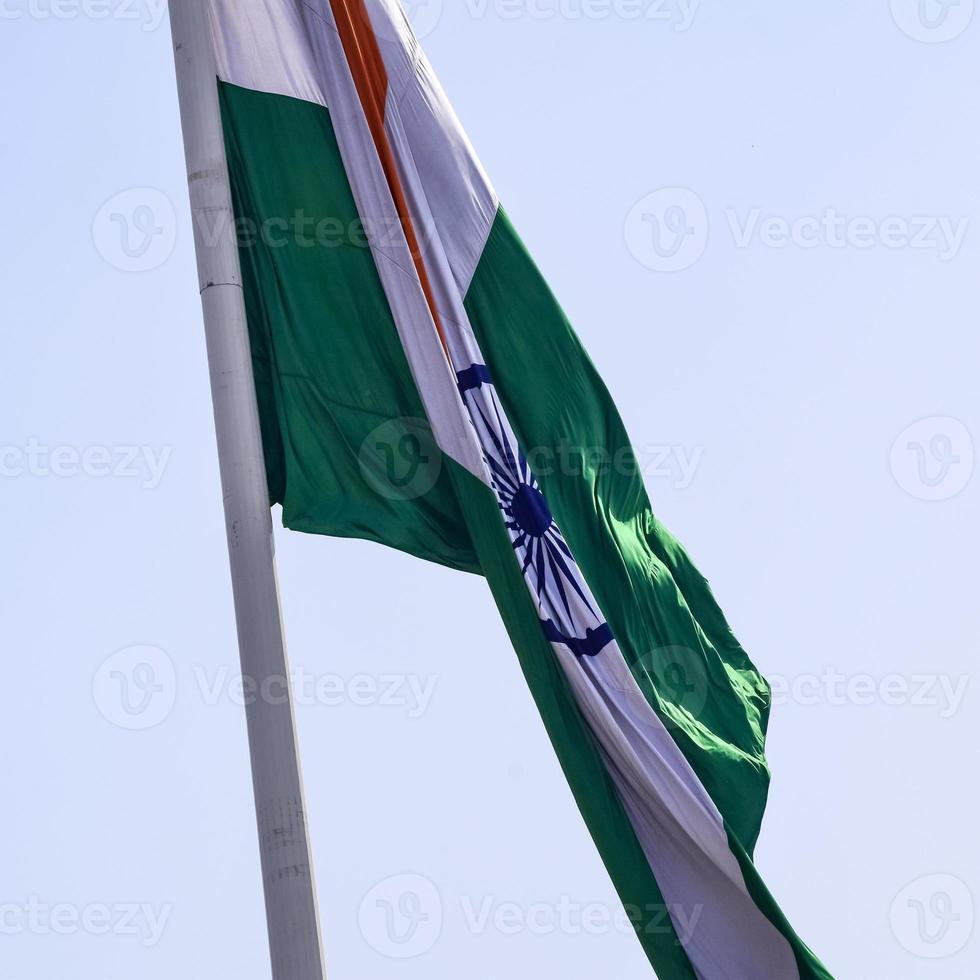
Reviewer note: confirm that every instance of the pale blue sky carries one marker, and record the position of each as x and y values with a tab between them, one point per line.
825	302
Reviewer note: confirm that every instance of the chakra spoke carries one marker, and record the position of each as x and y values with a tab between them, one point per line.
554	535
539	567
561	588
504	475
527	562
574	584
503	429
502	449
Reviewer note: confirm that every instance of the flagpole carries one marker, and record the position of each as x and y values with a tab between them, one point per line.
287	867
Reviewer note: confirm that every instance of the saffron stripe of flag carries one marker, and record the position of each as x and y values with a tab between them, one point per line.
426	306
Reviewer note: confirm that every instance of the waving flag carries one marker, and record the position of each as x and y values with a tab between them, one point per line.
396	322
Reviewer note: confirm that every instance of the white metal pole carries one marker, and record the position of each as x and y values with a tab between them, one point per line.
287	867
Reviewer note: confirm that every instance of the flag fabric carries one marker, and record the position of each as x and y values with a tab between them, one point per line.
419	386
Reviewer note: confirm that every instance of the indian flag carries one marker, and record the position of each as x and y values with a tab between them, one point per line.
419	386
